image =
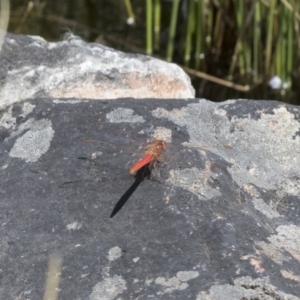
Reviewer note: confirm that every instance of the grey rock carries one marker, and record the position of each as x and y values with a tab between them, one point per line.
33	67
217	219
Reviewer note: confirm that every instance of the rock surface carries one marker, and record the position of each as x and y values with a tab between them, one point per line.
32	67
219	219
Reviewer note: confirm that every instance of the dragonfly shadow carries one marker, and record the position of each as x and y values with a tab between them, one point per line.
141	174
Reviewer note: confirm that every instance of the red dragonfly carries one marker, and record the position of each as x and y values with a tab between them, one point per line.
152	153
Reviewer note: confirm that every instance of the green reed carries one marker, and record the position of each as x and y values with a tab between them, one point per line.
4	18
157	22
189	32
131	17
256	39
199	30
271	19
149	27
172	30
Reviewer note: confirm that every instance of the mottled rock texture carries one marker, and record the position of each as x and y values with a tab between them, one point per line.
218	218
33	67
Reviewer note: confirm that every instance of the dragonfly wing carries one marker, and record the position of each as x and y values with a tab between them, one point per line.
141	163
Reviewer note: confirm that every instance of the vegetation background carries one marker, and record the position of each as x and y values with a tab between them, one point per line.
230	48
